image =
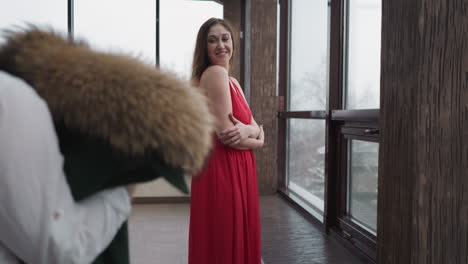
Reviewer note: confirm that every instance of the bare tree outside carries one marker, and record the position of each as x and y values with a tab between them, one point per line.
307	137
363	92
308	92
363	179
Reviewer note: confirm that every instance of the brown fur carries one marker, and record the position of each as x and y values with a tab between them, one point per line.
133	106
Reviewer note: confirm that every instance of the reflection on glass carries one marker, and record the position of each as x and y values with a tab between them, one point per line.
309	56
363	69
179	24
118	26
52	13
306	160
362	183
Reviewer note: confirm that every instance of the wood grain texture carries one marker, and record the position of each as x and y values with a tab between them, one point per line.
263	99
233	13
423	183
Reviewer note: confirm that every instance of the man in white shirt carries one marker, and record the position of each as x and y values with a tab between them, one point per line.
39	220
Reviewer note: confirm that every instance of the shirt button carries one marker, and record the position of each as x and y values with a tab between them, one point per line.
56	215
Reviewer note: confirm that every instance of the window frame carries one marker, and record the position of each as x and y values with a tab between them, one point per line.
353	128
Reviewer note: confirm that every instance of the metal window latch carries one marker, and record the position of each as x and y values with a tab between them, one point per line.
346	234
371	131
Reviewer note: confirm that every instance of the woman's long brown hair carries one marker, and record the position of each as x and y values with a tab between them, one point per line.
201	61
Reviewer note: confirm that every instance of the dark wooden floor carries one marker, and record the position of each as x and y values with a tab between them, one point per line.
159	234
289	238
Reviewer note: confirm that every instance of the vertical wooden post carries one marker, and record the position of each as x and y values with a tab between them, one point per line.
263	99
423	173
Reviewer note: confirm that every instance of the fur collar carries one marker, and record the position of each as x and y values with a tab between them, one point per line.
132	106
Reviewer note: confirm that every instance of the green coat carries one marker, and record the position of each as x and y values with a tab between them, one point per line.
91	166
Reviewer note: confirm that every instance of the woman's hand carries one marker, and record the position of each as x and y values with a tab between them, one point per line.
261	136
235	134
251	143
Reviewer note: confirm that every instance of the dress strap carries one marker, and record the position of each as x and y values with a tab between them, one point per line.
233	85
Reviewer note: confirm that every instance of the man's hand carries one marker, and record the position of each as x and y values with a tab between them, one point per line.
130	189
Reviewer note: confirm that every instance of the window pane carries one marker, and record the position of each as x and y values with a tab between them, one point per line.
362	183
118	26
179	24
306	160
363	69
309	55
47	12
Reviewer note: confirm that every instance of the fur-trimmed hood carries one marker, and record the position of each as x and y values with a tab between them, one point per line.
132	106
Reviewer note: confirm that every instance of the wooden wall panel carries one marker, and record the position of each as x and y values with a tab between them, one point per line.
423	174
263	100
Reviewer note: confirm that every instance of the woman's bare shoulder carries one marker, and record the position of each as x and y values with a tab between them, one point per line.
216	74
215	70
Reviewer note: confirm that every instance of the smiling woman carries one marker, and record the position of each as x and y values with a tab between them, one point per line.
224	213
214	36
220	46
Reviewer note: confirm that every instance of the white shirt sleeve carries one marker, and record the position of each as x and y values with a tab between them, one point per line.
39	220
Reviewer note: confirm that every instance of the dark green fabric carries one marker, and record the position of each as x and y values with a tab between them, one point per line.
91	165
117	252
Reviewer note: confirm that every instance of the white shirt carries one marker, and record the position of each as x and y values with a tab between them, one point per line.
39	220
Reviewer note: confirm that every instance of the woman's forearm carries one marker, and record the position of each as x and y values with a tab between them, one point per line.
248	143
254	130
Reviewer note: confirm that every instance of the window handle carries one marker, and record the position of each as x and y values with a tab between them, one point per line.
371	131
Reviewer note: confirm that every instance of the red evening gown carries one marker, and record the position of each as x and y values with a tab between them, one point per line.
224	211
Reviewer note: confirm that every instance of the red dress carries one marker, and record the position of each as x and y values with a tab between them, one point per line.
224	211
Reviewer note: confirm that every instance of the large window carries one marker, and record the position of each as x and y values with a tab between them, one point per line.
362	183
329	131
306	161
361	96
118	26
363	52
46	13
139	28
308	55
307	102
161	31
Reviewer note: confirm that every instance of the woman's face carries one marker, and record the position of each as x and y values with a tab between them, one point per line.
219	46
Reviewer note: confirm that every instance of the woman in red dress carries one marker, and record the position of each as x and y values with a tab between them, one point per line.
224	213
